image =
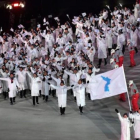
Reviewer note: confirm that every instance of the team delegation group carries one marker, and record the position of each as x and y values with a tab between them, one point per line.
51	60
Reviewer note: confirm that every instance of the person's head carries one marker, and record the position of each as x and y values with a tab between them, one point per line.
60	35
60	76
66	30
125	115
11	75
45	73
21	69
73	60
62	83
90	65
75	71
80	82
89	71
35	75
125	8
6	70
133	27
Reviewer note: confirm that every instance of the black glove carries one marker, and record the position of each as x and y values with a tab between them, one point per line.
72	85
43	79
117	110
50	79
87	81
132	122
131	112
83	68
48	83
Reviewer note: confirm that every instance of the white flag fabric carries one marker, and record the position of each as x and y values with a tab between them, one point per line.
108	84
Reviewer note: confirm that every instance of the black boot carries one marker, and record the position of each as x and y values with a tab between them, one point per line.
71	92
37	100
75	99
11	101
105	61
81	109
123	49
136	50
53	93
39	93
61	110
89	96
4	95
21	93
14	99
46	98
24	93
34	100
100	62
50	92
43	97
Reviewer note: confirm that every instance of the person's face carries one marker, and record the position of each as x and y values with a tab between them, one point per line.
32	47
60	77
66	31
20	69
89	71
75	71
45	74
125	116
72	60
60	35
61	84
79	82
139	111
125	8
7	71
34	75
11	75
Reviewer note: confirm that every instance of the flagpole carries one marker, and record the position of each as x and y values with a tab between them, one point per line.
127	90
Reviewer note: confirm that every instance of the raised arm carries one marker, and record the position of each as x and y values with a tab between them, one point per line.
4	79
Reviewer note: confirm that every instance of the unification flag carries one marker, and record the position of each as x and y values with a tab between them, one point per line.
108	84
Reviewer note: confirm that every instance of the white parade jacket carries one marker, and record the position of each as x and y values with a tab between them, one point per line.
125	127
12	86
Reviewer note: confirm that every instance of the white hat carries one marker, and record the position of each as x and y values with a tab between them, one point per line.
112	51
118	47
56	18
39	26
20	26
49	16
44	20
12	30
130	82
111	60
84	14
116	66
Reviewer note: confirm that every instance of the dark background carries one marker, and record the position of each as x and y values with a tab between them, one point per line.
37	9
